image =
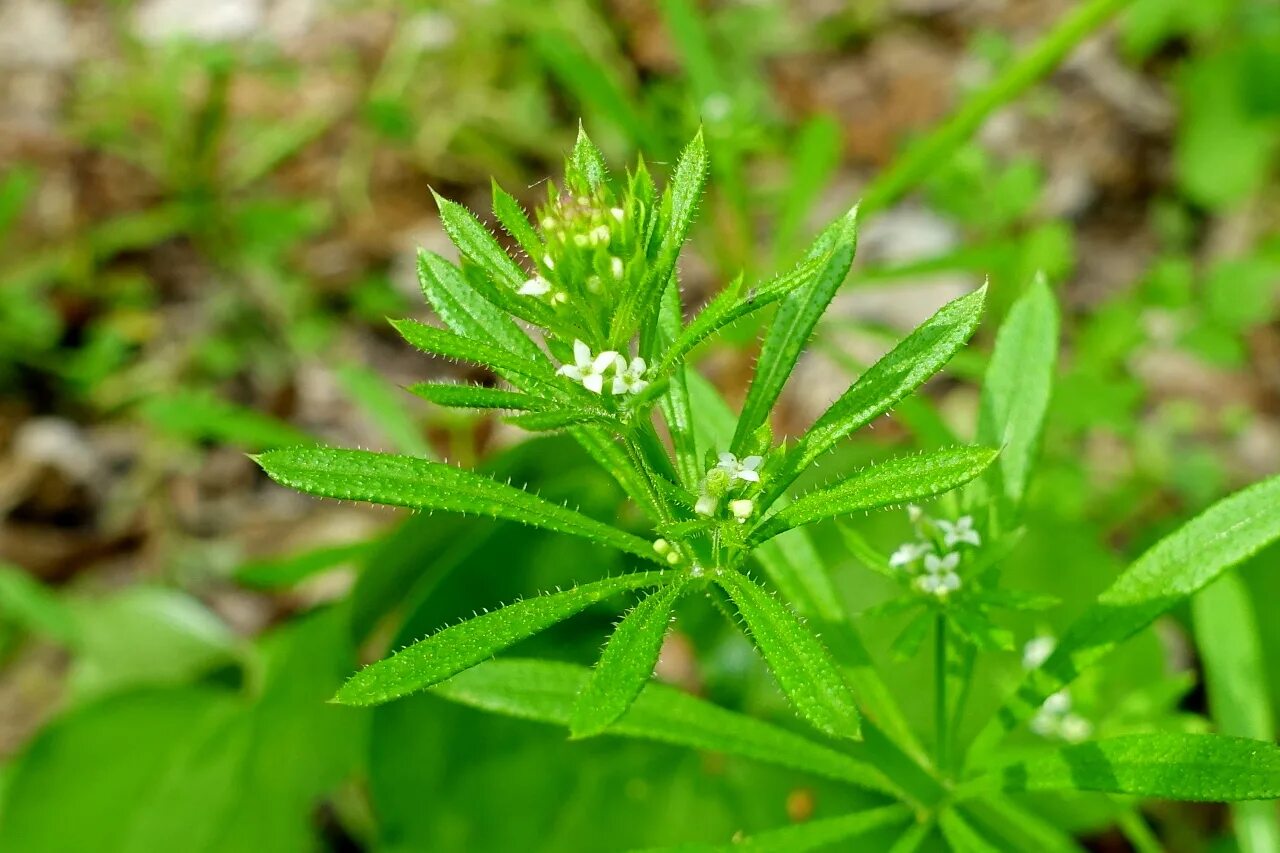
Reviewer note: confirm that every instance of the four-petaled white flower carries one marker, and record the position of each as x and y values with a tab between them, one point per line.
536	286
1056	719
587	369
908	553
940	576
961	530
1037	651
745	469
629	379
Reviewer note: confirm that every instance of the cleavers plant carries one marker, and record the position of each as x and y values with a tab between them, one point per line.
586	331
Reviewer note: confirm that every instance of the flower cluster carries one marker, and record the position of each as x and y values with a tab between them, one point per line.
732	479
587	241
933	558
591	371
1055	718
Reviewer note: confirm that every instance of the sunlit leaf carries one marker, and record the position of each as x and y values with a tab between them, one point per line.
359	475
800	663
627	662
454	649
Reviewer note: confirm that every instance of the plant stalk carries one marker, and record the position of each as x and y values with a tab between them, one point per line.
940	689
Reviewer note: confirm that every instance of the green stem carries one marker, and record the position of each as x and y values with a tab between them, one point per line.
931	151
940	688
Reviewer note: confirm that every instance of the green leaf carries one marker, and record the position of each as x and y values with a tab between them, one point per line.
812	835
201	416
920	355
677	407
960	836
1176	567
382	401
475	242
444	343
627	662
687	181
1226	629
586	162
459	647
296	567
547	691
359	475
900	480
1168	765
794	322
1018	383
461	396
800	663
512	217
468	313
552	419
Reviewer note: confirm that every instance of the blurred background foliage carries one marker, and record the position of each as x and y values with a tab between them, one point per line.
208	209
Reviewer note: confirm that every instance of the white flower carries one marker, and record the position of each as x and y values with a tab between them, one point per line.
615	266
1056	719
629	379
706	505
549	261
600	234
618	213
586	369
744	470
908	553
1075	728
1037	651
914	513
1058	703
742	509
960	531
536	286
934	565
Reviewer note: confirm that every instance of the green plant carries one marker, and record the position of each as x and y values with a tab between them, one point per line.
599	282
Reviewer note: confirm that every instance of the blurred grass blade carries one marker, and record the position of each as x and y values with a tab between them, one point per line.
547	690
382	402
295	568
793	324
1018	384
897	481
814	158
916	358
925	157
1226	628
685	189
454	649
627	663
33	606
800	663
359	475
812	835
1175	568
1167	765
200	416
456	395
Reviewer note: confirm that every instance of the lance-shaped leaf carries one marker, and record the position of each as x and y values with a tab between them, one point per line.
627	662
359	475
454	649
687	181
920	355
961	837
845	830
462	396
511	217
1176	567
546	691
897	481
800	663
1168	765
468	313
1017	385
586	163
475	242
442	342
794	322
731	304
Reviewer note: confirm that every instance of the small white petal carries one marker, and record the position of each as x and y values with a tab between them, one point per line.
615	266
748	475
581	353
593	382
728	460
742	509
604	361
706	505
536	286
547	260
570	370
752	462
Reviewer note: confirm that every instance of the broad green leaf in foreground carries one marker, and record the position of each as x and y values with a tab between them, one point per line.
1017	386
407	481
907	478
800	663
920	355
627	662
546	691
1175	568
451	650
813	835
1168	765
